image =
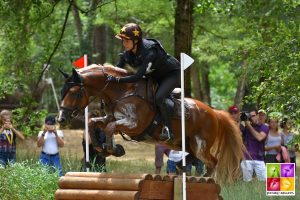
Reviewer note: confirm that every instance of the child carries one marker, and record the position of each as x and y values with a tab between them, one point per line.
8	136
174	158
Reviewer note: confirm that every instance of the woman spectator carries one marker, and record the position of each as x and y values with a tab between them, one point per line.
273	142
51	139
288	137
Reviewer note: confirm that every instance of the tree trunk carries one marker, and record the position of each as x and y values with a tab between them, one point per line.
183	36
241	87
196	83
99	45
78	27
104	45
205	82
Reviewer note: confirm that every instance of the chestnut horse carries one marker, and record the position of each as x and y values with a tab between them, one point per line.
211	135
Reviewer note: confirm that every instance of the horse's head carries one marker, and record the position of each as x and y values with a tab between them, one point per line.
74	97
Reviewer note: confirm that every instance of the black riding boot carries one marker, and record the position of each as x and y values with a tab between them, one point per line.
167	132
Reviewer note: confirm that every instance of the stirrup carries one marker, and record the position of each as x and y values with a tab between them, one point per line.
165	134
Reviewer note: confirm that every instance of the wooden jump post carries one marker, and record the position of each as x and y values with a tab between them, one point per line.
117	186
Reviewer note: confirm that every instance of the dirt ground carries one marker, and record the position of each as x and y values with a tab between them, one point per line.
73	147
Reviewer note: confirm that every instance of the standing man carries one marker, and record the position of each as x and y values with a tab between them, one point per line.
235	113
262	116
254	134
160	151
50	139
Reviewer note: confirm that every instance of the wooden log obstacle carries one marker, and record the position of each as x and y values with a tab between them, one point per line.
116	186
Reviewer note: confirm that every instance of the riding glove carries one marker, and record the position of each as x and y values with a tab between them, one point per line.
111	78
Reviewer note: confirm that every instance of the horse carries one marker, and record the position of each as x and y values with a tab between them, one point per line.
211	135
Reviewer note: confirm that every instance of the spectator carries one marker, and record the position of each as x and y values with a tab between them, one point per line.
262	116
160	151
273	142
288	137
174	158
198	167
51	139
235	113
97	161
6	113
254	136
8	139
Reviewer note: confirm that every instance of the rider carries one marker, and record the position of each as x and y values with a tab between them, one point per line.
151	60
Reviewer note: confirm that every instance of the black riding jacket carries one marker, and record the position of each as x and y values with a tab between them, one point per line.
150	60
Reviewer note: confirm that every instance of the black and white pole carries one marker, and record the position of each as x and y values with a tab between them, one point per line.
185	61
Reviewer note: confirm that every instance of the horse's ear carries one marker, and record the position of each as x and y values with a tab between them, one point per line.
64	73
76	76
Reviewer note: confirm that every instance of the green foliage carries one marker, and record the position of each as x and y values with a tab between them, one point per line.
256	38
7	86
29	122
273	60
156	22
27	180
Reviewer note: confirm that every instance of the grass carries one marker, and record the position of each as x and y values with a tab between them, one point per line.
255	190
28	180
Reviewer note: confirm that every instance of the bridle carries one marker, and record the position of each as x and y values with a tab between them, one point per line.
75	110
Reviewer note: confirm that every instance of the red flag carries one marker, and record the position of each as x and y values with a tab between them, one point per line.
79	63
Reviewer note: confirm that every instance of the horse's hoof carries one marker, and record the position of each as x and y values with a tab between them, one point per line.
119	151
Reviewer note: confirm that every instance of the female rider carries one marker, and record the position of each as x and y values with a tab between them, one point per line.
151	60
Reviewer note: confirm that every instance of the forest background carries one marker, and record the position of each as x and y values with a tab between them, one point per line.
246	51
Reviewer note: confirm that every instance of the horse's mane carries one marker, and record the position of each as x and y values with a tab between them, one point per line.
107	68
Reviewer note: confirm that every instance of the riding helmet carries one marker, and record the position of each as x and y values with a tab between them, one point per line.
130	31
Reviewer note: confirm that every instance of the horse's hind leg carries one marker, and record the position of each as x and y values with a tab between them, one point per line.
201	149
211	160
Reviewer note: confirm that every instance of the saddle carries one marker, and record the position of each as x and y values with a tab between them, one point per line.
146	89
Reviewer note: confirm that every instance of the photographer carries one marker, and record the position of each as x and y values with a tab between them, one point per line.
50	139
234	111
237	116
254	136
8	135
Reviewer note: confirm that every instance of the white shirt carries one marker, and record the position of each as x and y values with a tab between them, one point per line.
176	156
50	145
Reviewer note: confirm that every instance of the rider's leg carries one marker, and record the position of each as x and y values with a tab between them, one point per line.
166	86
167	132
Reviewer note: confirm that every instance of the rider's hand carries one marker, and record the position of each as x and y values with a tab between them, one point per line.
111	78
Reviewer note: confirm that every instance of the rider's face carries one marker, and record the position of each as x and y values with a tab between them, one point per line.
128	44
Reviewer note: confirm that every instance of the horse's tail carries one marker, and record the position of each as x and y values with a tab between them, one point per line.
228	149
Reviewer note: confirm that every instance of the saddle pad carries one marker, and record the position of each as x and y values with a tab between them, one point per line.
177	108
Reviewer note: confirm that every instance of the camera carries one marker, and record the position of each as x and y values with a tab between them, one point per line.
245	116
51	128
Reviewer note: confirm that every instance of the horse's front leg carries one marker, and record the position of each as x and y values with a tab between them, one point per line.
101	122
